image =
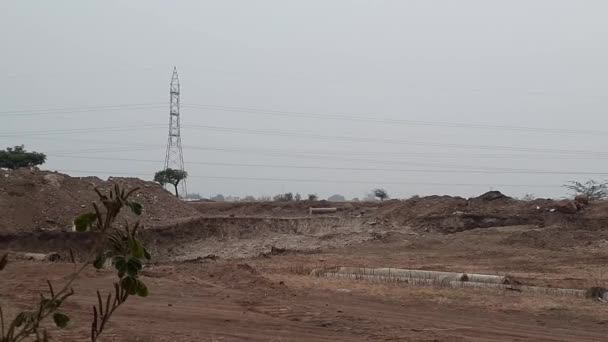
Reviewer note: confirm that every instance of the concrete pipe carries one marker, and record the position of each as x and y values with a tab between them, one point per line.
322	210
457	284
422	274
53	256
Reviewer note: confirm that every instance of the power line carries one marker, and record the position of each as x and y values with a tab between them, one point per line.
331	181
339	158
350	117
322	152
105	149
293	134
325	155
541	172
420	154
302	114
71	110
388	141
81	130
326	158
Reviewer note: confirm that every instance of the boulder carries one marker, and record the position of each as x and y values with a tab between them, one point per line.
581	199
491	196
566	206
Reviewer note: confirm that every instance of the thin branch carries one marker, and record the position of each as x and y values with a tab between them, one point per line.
1	321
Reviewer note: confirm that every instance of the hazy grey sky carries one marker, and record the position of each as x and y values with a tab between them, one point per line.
539	63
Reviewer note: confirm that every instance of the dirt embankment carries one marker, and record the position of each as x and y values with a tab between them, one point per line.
445	214
277	209
32	200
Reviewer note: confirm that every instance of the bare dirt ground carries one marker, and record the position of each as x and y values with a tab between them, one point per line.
237	272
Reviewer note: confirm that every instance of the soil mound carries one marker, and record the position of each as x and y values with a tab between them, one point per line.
492	196
33	200
448	214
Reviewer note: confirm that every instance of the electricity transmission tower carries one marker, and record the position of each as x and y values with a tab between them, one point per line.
174	158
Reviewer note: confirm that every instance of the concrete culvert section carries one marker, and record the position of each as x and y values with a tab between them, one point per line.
444	279
419	274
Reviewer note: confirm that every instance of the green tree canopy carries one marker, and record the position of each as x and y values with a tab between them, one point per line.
380	193
16	157
170	176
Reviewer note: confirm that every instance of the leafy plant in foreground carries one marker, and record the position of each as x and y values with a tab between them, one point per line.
118	245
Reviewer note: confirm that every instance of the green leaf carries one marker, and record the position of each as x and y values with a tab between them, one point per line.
142	289
129	284
85	221
3	261
120	264
116	242
137	249
61	320
133	267
147	254
21	318
136	207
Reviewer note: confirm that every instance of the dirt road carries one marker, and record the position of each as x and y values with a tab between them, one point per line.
226	277
233	302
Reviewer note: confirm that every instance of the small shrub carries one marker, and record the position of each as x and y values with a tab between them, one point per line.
336	198
592	189
286	197
528	197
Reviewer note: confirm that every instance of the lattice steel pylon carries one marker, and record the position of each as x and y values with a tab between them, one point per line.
174	158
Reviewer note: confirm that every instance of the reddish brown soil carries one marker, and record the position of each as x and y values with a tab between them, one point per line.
41	200
445	214
260	288
233	302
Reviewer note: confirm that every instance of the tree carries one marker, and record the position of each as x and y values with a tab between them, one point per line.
298	197
218	198
592	189
336	198
313	197
170	176
528	197
380	193
16	157
286	197
119	245
194	196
